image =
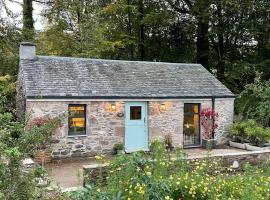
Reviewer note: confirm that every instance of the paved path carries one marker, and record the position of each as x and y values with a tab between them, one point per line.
68	174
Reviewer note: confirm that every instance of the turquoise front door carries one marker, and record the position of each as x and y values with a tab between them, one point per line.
136	137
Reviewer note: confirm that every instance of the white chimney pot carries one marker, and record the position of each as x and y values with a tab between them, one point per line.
28	51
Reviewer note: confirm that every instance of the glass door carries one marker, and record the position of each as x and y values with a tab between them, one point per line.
192	136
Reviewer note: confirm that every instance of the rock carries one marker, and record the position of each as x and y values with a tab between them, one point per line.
78	146
65	152
104	142
55	153
55	141
235	164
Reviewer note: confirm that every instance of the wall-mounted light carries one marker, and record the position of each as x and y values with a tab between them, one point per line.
162	107
113	107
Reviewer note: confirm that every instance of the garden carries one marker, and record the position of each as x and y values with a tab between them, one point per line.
158	175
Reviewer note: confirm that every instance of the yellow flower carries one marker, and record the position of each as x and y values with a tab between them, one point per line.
97	157
167	198
98	190
148	173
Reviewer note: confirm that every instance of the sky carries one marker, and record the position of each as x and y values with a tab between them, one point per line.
17	9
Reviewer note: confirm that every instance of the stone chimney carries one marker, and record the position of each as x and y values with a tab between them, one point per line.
28	51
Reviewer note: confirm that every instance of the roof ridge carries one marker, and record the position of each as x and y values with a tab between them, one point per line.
113	60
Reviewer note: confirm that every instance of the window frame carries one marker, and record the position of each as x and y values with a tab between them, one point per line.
76	105
199	120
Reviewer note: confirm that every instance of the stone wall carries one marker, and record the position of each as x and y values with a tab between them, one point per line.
169	121
225	109
105	128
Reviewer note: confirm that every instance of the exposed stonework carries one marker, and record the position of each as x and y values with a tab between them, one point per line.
166	122
225	109
104	127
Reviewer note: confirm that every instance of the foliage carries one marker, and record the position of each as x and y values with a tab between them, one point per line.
119	146
250	131
17	143
160	176
254	102
208	122
7	94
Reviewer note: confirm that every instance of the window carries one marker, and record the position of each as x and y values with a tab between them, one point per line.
76	120
135	112
191	124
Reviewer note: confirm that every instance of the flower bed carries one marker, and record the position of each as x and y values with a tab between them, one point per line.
159	176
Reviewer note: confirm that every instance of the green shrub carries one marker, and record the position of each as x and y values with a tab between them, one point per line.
254	101
250	131
119	146
159	176
17	143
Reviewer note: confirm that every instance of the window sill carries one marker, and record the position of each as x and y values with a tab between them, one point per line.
76	136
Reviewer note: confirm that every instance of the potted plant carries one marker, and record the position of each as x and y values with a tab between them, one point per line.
118	148
208	122
168	142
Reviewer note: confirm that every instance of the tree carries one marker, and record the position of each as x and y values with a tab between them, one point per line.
28	22
200	10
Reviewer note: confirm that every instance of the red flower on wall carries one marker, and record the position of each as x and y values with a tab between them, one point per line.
208	122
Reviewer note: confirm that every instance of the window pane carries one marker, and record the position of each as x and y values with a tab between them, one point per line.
196	108
76	120
191	108
135	112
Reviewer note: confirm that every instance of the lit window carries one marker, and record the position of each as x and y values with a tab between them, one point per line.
76	120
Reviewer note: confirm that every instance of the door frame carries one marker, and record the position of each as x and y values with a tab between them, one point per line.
146	126
200	130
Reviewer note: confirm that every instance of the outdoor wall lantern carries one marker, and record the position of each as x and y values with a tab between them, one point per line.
113	107
162	107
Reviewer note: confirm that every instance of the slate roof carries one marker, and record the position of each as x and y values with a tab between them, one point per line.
62	77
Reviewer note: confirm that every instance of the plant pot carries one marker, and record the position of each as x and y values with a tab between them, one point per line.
43	157
120	152
237	145
255	148
213	143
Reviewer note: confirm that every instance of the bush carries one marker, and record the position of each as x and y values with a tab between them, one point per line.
159	176
119	146
254	102
250	131
17	143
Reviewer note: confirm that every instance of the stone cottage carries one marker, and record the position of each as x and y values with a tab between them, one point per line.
111	101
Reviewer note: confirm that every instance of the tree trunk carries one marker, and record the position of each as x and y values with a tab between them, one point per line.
221	62
141	31
28	22
202	16
131	48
